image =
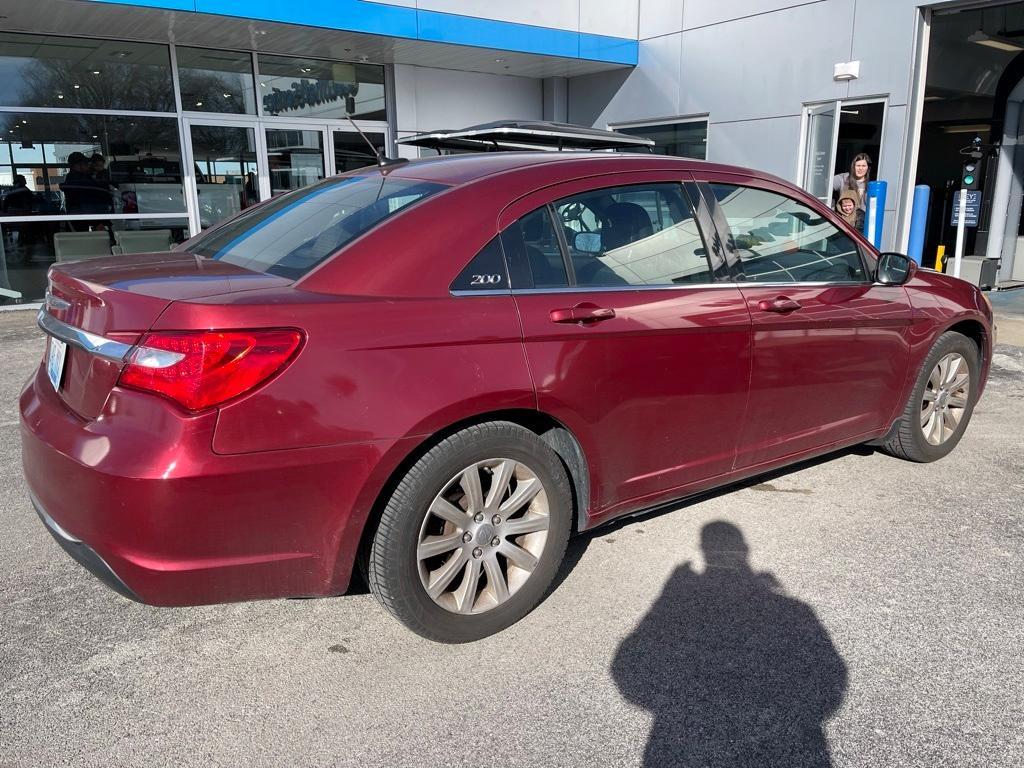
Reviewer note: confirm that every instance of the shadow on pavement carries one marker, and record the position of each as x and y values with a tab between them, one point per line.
734	671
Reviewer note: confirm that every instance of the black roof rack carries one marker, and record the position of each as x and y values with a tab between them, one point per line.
509	135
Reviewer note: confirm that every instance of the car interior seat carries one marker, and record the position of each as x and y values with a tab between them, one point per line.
545	274
69	246
621	224
624	223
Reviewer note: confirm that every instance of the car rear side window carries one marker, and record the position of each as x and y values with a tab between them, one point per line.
779	240
533	252
293	233
486	272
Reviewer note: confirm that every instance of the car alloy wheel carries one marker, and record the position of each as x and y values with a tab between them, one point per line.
945	398
482	536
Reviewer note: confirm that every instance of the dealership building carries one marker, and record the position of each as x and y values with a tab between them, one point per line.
145	122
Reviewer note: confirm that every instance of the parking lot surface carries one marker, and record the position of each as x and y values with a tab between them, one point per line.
855	611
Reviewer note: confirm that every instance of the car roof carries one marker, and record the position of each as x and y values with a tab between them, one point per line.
465	168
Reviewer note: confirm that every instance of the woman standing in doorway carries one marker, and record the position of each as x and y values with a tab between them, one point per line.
855	180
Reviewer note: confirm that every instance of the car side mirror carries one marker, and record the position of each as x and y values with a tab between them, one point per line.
587	242
894	269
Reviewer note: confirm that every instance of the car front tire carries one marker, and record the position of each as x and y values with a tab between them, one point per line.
473	534
941	403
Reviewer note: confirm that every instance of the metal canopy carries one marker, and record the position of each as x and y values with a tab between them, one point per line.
206	30
519	134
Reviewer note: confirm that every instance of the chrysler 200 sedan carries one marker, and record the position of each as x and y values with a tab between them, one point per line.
438	371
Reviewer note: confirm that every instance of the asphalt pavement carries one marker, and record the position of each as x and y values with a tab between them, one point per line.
854	611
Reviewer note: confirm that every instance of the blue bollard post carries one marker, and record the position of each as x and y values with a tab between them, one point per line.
874	219
918	222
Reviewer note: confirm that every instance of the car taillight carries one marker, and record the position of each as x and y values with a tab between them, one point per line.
200	369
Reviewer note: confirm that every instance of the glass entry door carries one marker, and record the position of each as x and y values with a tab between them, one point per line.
836	133
227	174
351	151
820	152
295	157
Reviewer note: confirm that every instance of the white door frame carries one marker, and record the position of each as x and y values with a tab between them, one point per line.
297	125
188	172
810	111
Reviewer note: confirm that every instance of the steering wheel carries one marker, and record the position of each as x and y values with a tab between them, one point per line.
574	212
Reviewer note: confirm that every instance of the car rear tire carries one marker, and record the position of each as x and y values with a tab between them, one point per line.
941	403
473	534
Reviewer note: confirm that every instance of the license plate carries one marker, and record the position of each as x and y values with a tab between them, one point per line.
55	354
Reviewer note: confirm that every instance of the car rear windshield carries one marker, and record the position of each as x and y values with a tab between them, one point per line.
292	234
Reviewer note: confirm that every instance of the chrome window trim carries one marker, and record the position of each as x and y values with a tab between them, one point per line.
488	292
798	284
622	288
76	337
677	287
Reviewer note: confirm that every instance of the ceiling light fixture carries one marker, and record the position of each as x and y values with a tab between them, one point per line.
995	41
974	128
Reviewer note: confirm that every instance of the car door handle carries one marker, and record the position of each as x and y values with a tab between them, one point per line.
581	314
781	304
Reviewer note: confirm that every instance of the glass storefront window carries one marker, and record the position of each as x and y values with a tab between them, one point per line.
73	164
351	151
29	248
87	162
216	81
44	71
293	87
687	139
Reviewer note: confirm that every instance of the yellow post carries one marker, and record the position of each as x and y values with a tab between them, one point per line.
940	257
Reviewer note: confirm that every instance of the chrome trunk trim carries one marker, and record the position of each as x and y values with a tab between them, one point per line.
76	337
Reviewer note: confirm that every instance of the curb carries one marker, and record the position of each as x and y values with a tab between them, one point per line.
1010	329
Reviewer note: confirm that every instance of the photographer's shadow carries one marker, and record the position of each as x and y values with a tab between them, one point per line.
734	671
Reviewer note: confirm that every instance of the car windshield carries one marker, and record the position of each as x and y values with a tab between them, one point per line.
292	234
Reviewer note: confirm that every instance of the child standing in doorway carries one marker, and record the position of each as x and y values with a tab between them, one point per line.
846	206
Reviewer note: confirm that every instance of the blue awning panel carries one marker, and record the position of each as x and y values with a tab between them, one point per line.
414	24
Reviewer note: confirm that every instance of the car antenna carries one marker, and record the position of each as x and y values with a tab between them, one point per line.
382	160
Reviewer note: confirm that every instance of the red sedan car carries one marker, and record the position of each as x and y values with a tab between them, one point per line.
439	370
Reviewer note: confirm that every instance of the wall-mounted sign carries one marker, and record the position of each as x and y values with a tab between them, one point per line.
308	93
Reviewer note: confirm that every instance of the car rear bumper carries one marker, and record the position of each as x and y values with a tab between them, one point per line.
140	499
84	555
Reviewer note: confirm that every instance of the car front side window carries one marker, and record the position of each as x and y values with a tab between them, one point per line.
779	240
